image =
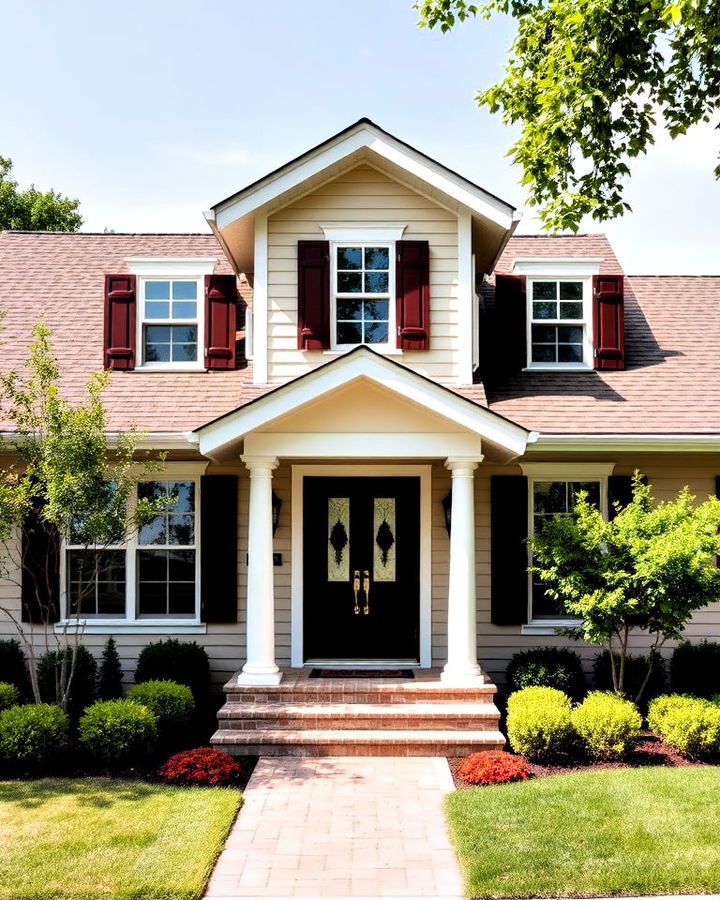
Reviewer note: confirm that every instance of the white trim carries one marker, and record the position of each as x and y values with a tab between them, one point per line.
464	292
260	303
350	232
149	440
562	471
371	445
630	443
172	266
554	266
359	471
542	627
121	626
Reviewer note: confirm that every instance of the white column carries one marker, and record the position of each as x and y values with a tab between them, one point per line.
260	667
462	666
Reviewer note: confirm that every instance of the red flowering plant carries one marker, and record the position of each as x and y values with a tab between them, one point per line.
200	766
494	767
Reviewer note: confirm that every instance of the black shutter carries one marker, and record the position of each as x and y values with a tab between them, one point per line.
218	547
717	486
510	351
40	577
620	491
508	549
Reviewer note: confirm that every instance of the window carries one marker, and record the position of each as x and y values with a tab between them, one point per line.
170	321
559	323
96	582
362	294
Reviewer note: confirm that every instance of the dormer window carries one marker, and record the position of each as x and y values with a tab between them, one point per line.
170	311
559	322
363	302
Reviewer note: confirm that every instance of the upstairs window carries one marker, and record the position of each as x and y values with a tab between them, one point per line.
362	294
170	321
559	323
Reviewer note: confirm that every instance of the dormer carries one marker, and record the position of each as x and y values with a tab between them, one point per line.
363	240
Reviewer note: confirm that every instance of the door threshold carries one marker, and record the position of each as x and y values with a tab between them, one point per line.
362	664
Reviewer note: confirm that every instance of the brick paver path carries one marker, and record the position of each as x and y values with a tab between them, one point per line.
341	827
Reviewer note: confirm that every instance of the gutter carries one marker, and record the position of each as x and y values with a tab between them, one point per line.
212	222
151	440
654	443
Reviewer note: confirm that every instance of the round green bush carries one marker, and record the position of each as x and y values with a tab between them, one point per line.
33	732
608	725
118	730
538	723
695	668
688	724
555	667
9	695
171	703
184	662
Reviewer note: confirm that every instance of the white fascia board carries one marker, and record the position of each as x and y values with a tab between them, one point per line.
630	443
375	445
575	470
361	365
171	265
149	440
556	265
365	137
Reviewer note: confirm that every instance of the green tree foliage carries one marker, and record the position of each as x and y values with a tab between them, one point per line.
588	81
33	210
647	569
110	672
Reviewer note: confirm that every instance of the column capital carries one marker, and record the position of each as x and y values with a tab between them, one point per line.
260	462
463	462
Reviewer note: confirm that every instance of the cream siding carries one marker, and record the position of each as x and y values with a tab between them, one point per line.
362	195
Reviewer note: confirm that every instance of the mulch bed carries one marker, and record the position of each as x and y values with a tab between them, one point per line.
651	751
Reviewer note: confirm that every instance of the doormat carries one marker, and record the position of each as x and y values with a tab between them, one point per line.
362	673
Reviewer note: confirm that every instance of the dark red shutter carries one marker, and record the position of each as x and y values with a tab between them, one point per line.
218	548
412	280
608	322
510	353
313	295
509	582
220	321
40	576
120	314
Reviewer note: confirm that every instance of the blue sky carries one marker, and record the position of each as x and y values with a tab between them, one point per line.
151	111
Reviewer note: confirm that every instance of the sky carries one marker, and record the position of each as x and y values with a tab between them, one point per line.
150	112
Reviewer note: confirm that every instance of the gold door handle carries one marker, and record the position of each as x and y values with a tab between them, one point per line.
366	588
356	590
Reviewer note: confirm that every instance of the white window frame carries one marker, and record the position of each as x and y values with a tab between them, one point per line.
544	472
149	269
131	622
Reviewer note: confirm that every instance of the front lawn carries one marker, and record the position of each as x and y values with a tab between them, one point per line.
615	831
109	840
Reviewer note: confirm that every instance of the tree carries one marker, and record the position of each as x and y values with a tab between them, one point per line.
33	210
648	569
588	81
70	483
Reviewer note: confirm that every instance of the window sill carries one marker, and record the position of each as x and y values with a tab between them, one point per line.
559	367
139	626
170	367
385	351
548	626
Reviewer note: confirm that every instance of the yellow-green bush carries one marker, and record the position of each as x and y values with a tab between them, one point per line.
538	722
608	726
530	696
688	724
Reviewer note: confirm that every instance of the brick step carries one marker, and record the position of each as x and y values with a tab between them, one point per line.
356	716
361	742
358	691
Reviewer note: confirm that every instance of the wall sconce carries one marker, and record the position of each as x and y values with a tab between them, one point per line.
276	504
447	511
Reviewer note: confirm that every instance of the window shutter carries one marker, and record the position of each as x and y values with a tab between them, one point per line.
717	486
620	491
511	317
40	577
120	315
220	321
508	549
313	295
608	322
412	281
218	548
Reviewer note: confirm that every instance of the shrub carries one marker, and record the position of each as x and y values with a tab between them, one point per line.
493	767
538	722
635	672
13	668
9	695
555	667
82	688
174	660
33	732
695	669
689	724
109	686
118	730
172	705
201	766
608	725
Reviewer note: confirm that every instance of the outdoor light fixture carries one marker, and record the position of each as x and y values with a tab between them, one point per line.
447	511
276	504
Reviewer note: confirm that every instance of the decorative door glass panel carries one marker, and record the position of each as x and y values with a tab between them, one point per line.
338	560
384	544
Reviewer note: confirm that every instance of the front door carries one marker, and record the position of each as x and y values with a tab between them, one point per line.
361	569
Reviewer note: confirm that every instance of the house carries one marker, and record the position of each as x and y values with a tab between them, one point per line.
370	391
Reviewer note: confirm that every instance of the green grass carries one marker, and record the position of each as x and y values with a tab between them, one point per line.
610	832
109	840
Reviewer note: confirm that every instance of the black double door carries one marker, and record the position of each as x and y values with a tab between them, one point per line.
361	569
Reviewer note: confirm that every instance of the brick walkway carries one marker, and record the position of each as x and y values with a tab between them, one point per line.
341	827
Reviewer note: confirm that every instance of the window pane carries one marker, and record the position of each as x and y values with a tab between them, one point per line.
571	290
157	290
376	309
184	492
571	311
544	310
543	334
349	258
591	487
182	599
550	497
157	309
157	352
570	353
544	290
376	333
152	598
152	565
184	334
376	282
543	353
348	333
182	565
152	490
349	309
377	257
349	282
96	582
181	529
155	532
569	334
184	352
184	309
184	290
111	598
544	605
157	334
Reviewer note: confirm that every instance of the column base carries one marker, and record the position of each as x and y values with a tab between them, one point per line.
472	675
260	678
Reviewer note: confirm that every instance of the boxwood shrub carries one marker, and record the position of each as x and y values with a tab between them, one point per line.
689	724
32	733
9	695
172	705
118	730
184	662
608	726
555	667
538	723
695	669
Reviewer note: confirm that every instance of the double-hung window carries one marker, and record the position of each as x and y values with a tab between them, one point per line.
559	323
362	294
